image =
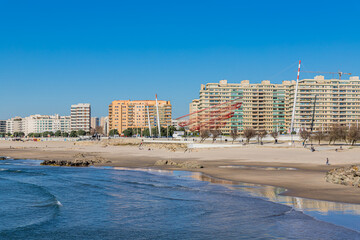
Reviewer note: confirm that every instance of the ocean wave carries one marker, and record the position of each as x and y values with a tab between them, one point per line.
22	172
31	204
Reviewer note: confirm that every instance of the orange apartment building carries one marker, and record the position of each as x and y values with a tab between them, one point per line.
125	114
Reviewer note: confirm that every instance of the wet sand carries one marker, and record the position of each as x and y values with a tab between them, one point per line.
307	181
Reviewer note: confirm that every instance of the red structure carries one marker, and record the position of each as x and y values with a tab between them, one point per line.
213	117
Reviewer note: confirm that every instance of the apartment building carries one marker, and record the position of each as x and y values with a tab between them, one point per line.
38	124
263	104
104	123
95	122
2	126
81	117
337	102
269	106
15	124
125	114
46	123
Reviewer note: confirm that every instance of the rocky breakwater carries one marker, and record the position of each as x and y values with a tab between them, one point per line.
79	160
349	176
186	164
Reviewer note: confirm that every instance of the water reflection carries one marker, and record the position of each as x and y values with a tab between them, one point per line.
259	167
343	214
273	194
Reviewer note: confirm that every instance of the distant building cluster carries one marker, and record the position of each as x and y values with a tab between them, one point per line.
320	104
79	119
267	106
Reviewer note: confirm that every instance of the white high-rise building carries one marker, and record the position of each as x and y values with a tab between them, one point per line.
38	124
15	124
43	123
81	117
104	123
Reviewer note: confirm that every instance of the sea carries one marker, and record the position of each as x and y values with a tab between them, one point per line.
47	202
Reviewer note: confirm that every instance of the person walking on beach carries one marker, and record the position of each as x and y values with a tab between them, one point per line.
327	161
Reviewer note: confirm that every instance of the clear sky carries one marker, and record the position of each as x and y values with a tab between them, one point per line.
57	53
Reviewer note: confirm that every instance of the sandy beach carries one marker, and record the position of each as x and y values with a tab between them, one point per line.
295	168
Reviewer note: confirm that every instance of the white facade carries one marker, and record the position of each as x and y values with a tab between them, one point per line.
43	123
81	117
104	123
38	124
15	124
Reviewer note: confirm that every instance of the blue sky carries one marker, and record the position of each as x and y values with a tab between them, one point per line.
57	53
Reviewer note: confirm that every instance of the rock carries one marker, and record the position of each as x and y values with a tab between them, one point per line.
80	160
66	163
349	176
187	164
191	164
3	158
165	162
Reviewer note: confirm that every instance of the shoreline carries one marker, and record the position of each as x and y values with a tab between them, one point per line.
317	209
325	211
254	165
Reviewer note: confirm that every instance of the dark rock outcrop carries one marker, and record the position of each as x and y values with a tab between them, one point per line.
3	158
80	160
66	163
349	176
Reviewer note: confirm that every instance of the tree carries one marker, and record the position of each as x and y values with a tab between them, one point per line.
274	135
304	134
342	132
204	134
99	130
30	135
353	135
261	134
183	129
81	132
215	133
128	132
73	134
37	135
19	134
333	134
65	134
234	134
146	132
170	130
337	132
58	133
47	134
318	136
113	132
249	133
92	131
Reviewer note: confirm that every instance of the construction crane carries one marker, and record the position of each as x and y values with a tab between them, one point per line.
340	73
313	115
